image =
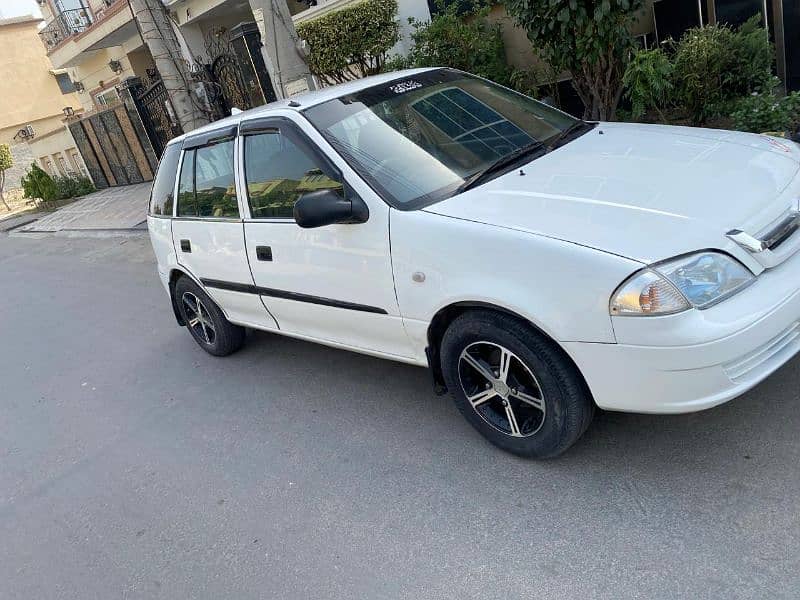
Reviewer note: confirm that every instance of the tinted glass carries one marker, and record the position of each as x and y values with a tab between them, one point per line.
161	198
736	12
215	190
187	207
417	139
207	187
278	173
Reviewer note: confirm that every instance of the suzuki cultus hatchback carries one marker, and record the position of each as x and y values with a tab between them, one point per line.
537	264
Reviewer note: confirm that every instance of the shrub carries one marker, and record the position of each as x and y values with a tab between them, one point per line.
766	112
714	65
73	186
36	183
703	73
352	42
752	59
703	61
460	37
648	82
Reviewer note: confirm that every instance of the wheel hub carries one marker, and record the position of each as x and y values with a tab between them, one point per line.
501	389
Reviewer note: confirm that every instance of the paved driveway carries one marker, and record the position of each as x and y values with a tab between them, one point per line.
134	465
113	208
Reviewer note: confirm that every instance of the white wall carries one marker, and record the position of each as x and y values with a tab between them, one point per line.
405	9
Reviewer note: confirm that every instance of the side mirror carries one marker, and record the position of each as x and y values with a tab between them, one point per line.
326	207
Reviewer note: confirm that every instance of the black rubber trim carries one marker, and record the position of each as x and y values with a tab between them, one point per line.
247	288
210	137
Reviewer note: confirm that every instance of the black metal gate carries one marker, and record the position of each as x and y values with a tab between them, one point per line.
156	111
225	73
237	73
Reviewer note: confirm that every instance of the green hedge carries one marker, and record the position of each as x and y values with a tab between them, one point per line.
351	42
37	183
459	36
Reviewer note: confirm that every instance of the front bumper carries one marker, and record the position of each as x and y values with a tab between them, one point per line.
697	359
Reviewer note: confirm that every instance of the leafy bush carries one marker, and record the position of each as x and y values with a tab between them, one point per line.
703	73
36	183
648	82
703	63
766	112
352	42
73	186
753	57
459	36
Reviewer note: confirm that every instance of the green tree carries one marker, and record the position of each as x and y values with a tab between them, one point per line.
351	42
6	162
590	39
38	184
460	36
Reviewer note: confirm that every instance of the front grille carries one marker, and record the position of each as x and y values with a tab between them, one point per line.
774	245
782	231
766	357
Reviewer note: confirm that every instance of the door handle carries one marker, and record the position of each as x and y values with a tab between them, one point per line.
264	253
186	246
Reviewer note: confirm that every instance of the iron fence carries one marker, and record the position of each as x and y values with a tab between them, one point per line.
64	26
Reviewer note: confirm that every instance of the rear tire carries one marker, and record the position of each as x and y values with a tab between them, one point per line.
205	321
514	385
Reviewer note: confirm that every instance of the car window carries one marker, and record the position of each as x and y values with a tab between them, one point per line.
161	198
416	140
207	187
277	173
187	207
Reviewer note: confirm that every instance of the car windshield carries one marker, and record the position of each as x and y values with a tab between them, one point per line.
416	140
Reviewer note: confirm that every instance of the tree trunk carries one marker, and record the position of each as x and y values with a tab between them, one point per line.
600	89
156	30
2	186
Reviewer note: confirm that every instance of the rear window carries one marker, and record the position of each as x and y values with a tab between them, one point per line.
162	196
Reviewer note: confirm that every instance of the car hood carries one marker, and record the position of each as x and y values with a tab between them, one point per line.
646	192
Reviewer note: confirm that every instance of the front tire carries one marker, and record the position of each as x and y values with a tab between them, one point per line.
514	385
205	321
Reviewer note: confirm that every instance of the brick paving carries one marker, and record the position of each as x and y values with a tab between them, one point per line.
113	208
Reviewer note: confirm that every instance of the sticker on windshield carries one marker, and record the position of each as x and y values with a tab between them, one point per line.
405	86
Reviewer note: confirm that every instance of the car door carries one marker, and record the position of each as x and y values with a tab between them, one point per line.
207	228
332	283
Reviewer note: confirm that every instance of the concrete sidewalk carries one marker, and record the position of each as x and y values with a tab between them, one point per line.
18	220
110	209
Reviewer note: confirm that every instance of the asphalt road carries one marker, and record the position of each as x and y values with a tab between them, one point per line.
133	465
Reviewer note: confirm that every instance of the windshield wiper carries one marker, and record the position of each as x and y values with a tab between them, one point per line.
501	163
569	132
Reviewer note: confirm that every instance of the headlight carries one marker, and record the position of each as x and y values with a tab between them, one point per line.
695	280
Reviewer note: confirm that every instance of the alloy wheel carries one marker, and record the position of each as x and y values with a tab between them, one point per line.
501	389
198	319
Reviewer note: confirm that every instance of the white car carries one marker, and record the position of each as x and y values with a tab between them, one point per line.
539	265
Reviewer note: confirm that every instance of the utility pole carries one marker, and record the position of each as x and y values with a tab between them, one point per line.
283	56
156	30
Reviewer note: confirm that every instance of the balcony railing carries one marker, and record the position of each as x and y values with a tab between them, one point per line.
64	26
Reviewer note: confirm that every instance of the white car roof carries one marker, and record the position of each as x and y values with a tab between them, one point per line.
303	101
